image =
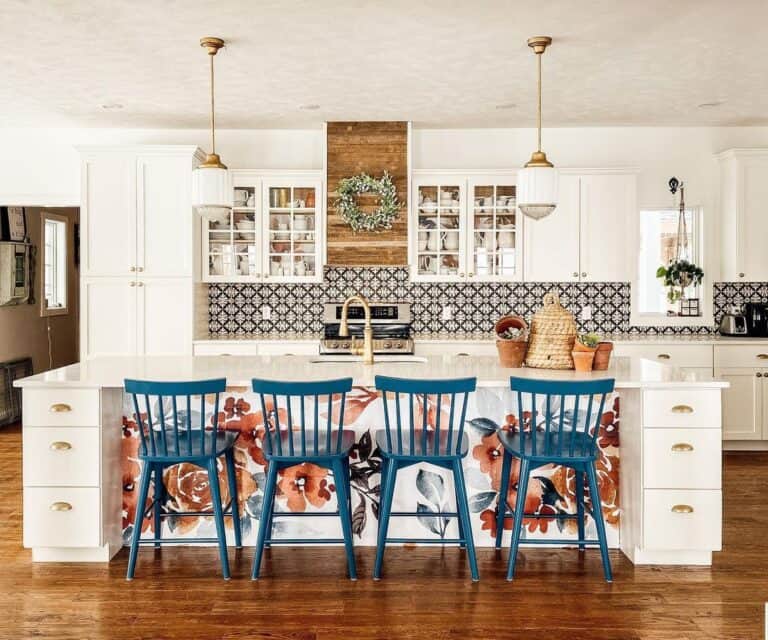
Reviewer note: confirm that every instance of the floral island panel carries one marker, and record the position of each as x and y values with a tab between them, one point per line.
309	488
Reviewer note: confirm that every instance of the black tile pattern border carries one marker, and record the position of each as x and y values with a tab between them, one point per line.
235	309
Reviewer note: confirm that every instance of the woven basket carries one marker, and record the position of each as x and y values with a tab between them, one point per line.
552	334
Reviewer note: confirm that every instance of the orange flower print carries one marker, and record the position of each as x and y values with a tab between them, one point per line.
236	416
189	489
304	483
490	453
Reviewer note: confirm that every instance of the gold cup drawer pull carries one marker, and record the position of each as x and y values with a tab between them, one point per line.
60	407
762	356
682	508
663	356
61	506
682	408
682	446
60	445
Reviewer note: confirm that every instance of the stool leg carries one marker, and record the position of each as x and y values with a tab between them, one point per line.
580	505
597	516
159	501
146	472
522	489
264	521
270	520
218	516
229	457
506	467
342	488
382	493
463	508
385	509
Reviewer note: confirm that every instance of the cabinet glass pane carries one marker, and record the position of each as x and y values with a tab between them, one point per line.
438	229
494	220
292	246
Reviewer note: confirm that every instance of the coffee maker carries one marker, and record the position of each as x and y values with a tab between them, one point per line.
756	314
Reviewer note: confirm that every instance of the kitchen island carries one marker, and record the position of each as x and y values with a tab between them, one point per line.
662	505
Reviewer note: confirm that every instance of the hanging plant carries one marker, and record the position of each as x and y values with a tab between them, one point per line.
349	210
678	276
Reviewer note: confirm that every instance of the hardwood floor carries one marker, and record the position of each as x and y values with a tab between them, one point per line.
425	594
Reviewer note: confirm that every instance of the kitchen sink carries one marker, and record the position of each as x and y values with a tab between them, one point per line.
383	359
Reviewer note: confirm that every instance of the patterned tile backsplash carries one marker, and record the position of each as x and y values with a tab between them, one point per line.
235	309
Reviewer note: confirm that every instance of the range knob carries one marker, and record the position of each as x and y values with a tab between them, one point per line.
398	344
387	344
334	345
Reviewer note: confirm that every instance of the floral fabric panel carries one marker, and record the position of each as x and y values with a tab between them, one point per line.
309	488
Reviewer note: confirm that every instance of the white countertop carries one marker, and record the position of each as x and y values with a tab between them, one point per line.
110	372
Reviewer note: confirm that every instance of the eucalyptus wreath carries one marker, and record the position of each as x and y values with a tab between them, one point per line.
354	216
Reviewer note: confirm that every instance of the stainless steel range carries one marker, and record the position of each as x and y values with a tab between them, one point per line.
390	321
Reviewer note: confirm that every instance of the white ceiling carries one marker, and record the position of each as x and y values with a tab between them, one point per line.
439	63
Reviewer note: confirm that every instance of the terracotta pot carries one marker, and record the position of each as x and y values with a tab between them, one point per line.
511	352
578	346
602	356
582	360
505	322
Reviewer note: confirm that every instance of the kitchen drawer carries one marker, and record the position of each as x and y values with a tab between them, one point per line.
678	355
61	457
225	349
742	355
60	407
699	530
77	526
681	459
290	348
451	348
682	408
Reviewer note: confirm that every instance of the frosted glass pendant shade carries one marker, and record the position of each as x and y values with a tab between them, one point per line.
212	192
537	191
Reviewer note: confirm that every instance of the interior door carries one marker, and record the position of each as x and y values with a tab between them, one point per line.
164	216
165	321
607	203
742	403
108	317
552	243
108	214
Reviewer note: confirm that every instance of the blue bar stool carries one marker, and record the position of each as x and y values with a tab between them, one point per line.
403	446
293	443
175	431
565	423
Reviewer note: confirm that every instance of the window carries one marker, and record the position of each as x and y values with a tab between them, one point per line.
54	261
658	244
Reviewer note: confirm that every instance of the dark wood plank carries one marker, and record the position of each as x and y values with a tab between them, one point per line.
426	592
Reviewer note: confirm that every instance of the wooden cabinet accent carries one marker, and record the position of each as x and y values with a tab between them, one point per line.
370	147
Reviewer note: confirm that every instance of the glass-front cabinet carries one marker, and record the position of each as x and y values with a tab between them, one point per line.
466	228
274	232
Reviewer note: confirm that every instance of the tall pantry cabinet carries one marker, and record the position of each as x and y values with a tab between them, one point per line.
137	250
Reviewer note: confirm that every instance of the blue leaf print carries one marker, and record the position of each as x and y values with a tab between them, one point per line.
253	505
480	501
433	523
484	426
431	485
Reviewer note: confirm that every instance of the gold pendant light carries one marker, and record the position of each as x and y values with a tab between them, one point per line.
211	181
537	182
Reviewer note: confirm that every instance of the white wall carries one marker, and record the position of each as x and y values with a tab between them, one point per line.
41	166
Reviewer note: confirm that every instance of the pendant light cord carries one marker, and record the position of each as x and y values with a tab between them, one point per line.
538	115
213	117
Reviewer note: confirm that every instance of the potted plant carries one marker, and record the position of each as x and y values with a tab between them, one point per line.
678	275
602	355
511	340
584	350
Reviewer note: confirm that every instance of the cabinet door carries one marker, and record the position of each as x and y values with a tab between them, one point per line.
108	214
752	221
742	404
165	316
552	243
164	215
108	317
607	203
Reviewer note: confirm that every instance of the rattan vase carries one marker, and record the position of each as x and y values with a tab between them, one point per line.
552	334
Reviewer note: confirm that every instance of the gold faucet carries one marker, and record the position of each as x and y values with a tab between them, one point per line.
367	349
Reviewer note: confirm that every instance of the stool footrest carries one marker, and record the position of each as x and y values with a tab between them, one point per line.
305	514
426	540
179	541
560	541
428	514
554	516
305	541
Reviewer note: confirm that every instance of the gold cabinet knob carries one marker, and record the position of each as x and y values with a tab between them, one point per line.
139	284
682	408
61	506
131	284
762	356
759	375
575	274
461	275
663	356
471	275
60	445
682	446
741	275
133	269
682	508
139	269
583	274
60	407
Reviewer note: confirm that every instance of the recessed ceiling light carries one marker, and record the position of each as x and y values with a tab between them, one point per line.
710	105
309	107
111	106
506	105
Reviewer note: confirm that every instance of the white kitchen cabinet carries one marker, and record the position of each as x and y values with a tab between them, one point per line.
275	232
108	324
742	403
744	193
164	326
693	358
584	239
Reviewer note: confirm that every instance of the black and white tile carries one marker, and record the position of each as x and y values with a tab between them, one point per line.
235	309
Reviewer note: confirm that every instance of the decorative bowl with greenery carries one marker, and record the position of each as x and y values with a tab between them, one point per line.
678	276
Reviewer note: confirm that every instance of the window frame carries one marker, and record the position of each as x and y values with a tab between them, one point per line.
60	265
650	319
